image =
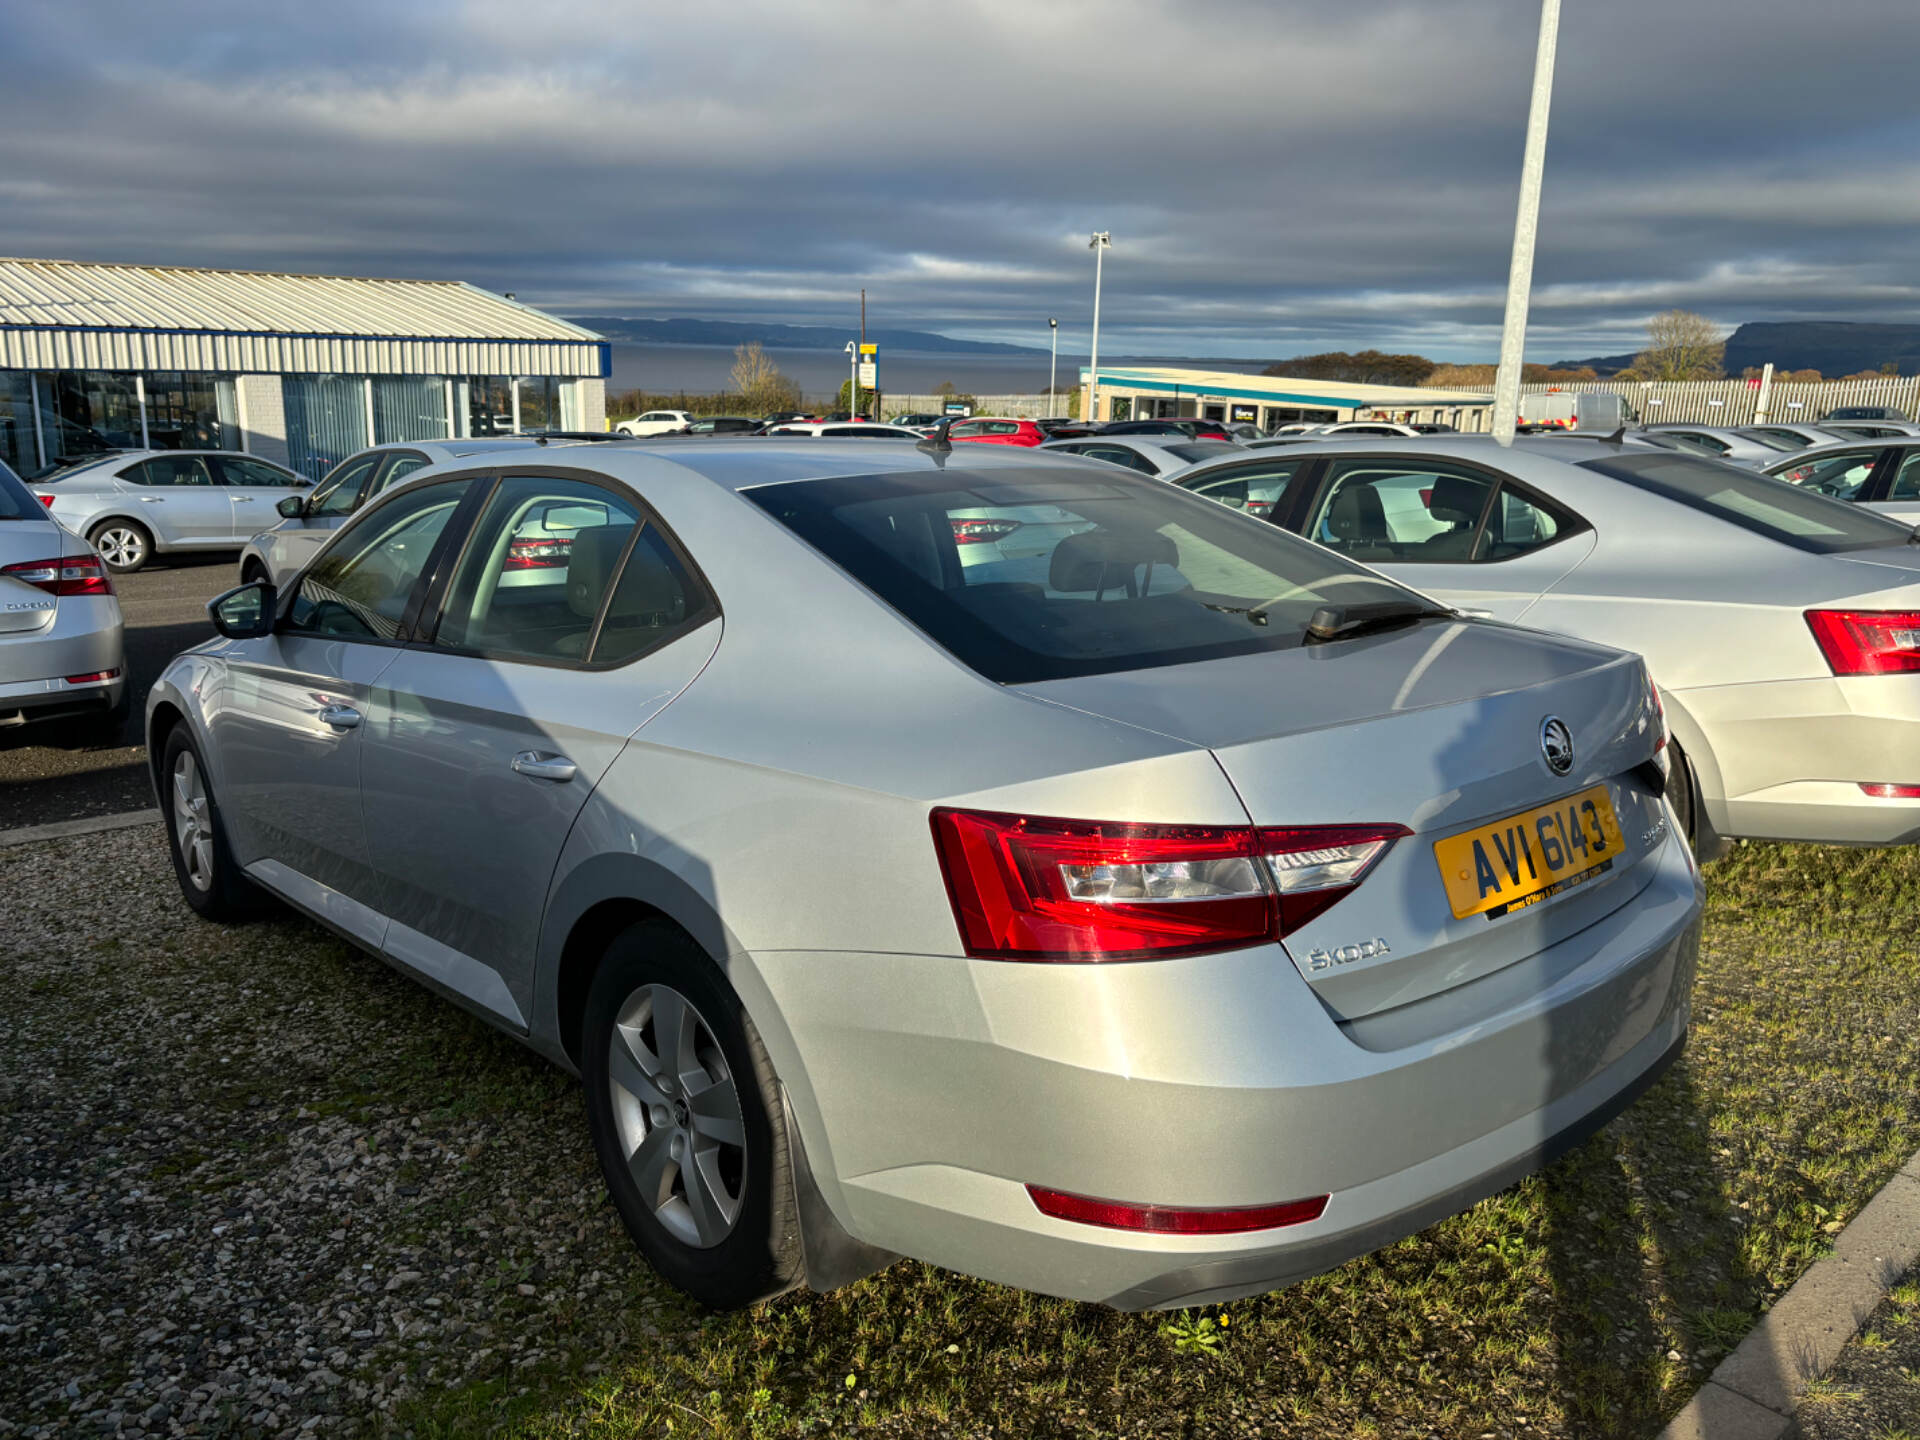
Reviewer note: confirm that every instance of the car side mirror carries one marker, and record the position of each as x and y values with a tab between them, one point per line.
293	506
246	612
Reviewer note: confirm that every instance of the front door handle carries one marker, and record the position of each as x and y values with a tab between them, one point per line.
340	717
153	499
243	499
537	766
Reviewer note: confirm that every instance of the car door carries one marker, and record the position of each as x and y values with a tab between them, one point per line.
176	498
1467	535
253	489
570	620
1899	485
288	724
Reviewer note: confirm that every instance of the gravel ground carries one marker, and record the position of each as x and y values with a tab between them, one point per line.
253	1183
1873	1390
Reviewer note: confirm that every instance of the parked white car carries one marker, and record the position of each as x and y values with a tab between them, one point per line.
656	422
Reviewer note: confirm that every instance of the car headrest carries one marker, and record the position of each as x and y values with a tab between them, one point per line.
590	561
1106	559
1357	515
1456	498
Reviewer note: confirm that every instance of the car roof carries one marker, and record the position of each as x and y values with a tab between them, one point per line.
1852	447
1149	442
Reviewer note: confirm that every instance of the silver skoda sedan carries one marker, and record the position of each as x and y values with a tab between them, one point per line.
136	504
62	642
1782	627
1159	915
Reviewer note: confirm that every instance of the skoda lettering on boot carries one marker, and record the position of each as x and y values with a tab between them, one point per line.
1346	954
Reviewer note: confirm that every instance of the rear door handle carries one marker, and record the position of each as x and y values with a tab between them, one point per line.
243	499
537	766
152	499
340	717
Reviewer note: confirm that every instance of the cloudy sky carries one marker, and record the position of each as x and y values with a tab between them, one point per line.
1279	176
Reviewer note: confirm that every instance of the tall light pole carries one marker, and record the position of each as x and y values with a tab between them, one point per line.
1090	405
1526	228
1053	366
853	379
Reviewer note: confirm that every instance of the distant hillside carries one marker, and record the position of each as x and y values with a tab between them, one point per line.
783	337
1833	347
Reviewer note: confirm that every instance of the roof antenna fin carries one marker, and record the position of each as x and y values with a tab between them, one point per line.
1618	437
937	444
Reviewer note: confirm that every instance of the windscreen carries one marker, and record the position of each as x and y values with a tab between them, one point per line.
1757	502
1055	574
16	501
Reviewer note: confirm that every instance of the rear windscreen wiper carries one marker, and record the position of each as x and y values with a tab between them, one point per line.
1344	622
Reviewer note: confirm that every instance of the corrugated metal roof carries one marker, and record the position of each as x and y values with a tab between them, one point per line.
1280	388
69	294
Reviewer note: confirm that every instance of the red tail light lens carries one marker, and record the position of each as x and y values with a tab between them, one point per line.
980	532
1889	790
47	500
1025	888
538	554
1175	1220
64	575
1868	642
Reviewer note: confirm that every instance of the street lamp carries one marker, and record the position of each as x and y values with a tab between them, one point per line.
1053	366
853	379
1090	408
1526	228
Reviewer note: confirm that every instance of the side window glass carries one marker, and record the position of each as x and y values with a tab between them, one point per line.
1906	484
537	570
398	469
1258	492
359	588
1519	524
340	491
253	473
1424	515
1840	476
170	470
655	597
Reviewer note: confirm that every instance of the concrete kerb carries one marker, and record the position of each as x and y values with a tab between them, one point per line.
1752	1393
93	825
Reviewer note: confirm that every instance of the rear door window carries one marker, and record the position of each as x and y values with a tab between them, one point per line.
1260	489
398	468
169	470
361	585
1842	476
254	473
1424	513
1906	480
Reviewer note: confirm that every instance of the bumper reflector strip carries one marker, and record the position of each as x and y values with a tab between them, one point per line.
1886	790
1174	1220
97	677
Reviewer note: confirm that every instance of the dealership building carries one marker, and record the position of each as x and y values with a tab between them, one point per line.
1130	393
300	369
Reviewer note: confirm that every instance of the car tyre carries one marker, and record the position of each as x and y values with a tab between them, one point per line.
1680	795
125	545
253	571
197	839
687	1121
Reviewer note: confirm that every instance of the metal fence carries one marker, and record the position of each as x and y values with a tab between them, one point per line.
1017	407
1739	402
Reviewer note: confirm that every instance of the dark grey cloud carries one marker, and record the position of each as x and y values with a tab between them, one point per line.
1279	175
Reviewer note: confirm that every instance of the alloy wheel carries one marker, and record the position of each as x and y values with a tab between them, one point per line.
121	546
677	1114
193	821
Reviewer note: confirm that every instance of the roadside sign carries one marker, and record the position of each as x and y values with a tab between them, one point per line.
955	407
867	372
869	349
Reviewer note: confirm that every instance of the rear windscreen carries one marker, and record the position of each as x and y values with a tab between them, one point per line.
1757	502
1054	574
1194	451
16	501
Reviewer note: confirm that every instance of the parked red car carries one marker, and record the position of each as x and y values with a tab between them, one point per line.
998	432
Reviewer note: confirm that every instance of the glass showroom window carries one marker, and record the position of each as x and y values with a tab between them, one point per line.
84	412
489	404
540	403
17	448
326	420
188	411
409	407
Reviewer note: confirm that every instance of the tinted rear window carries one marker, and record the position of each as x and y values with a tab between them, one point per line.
1055	574
1755	502
16	501
1197	450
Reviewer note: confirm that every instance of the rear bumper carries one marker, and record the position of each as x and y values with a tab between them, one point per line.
1791	757
931	1091
86	638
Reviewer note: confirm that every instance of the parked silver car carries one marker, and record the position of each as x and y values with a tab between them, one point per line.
1788	439
1726	442
1883	475
1165	928
62	644
1158	455
141	503
307	521
1782	627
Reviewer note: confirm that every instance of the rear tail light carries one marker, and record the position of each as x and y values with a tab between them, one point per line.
63	575
1887	790
96	677
47	500
980	532
538	554
1868	642
1025	888
1174	1220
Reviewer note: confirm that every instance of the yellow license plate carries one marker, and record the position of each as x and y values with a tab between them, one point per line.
1529	857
